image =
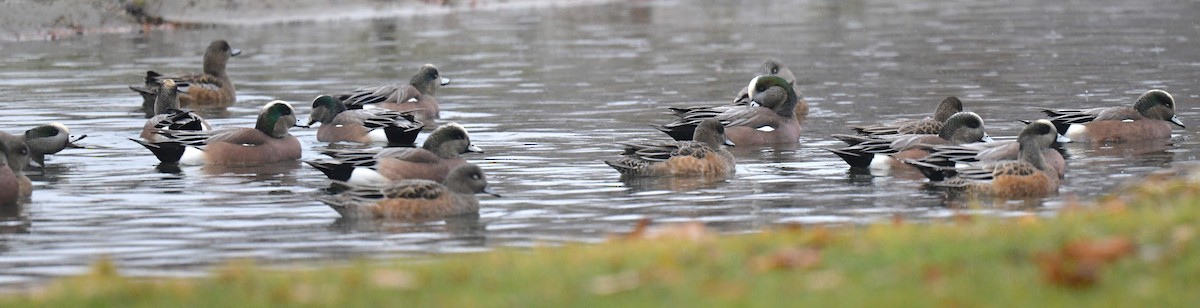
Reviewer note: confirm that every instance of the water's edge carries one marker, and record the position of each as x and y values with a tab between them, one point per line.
25	20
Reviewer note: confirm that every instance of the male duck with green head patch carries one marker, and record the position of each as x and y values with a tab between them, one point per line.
769	119
268	142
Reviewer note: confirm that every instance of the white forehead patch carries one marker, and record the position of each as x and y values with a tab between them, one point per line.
60	126
750	89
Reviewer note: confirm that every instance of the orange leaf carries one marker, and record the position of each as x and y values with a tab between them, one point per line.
1103	250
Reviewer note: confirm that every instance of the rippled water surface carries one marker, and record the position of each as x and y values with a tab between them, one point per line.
546	93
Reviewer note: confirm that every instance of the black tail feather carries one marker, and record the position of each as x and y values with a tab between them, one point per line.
934	171
167	152
856	159
334	170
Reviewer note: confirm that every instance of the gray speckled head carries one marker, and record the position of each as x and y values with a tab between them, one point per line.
712	133
324	109
17	155
963	127
215	57
1157	104
947	108
468	179
449	140
166	96
428	80
774	67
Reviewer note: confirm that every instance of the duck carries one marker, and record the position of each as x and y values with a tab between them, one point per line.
1030	176
211	88
989	152
769	119
10	181
414	199
887	153
168	114
702	156
769	67
47	139
16	157
417	95
927	125
439	154
268	142
364	126
1150	117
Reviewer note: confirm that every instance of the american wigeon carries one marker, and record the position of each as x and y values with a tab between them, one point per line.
414	198
775	68
704	156
1030	176
269	141
1150	117
989	152
362	126
167	114
10	182
769	119
418	94
16	156
927	125
885	153
432	161
211	88
48	139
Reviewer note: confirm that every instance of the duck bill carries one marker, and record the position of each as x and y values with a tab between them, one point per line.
987	138
445	81
1175	119
729	143
71	144
1062	139
235	52
488	190
474	149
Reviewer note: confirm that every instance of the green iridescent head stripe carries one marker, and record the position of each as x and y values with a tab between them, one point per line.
764	82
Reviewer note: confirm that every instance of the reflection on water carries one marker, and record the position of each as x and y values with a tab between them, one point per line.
547	93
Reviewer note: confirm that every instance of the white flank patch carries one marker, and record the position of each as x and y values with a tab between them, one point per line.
1076	131
366	176
377	135
192	156
881	162
765	128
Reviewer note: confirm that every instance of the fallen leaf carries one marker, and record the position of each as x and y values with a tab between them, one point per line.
787	258
1078	263
1103	250
1058	270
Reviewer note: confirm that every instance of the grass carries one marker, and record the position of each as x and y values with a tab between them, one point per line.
1137	250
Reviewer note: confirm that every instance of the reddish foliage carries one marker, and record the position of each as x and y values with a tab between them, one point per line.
1078	263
